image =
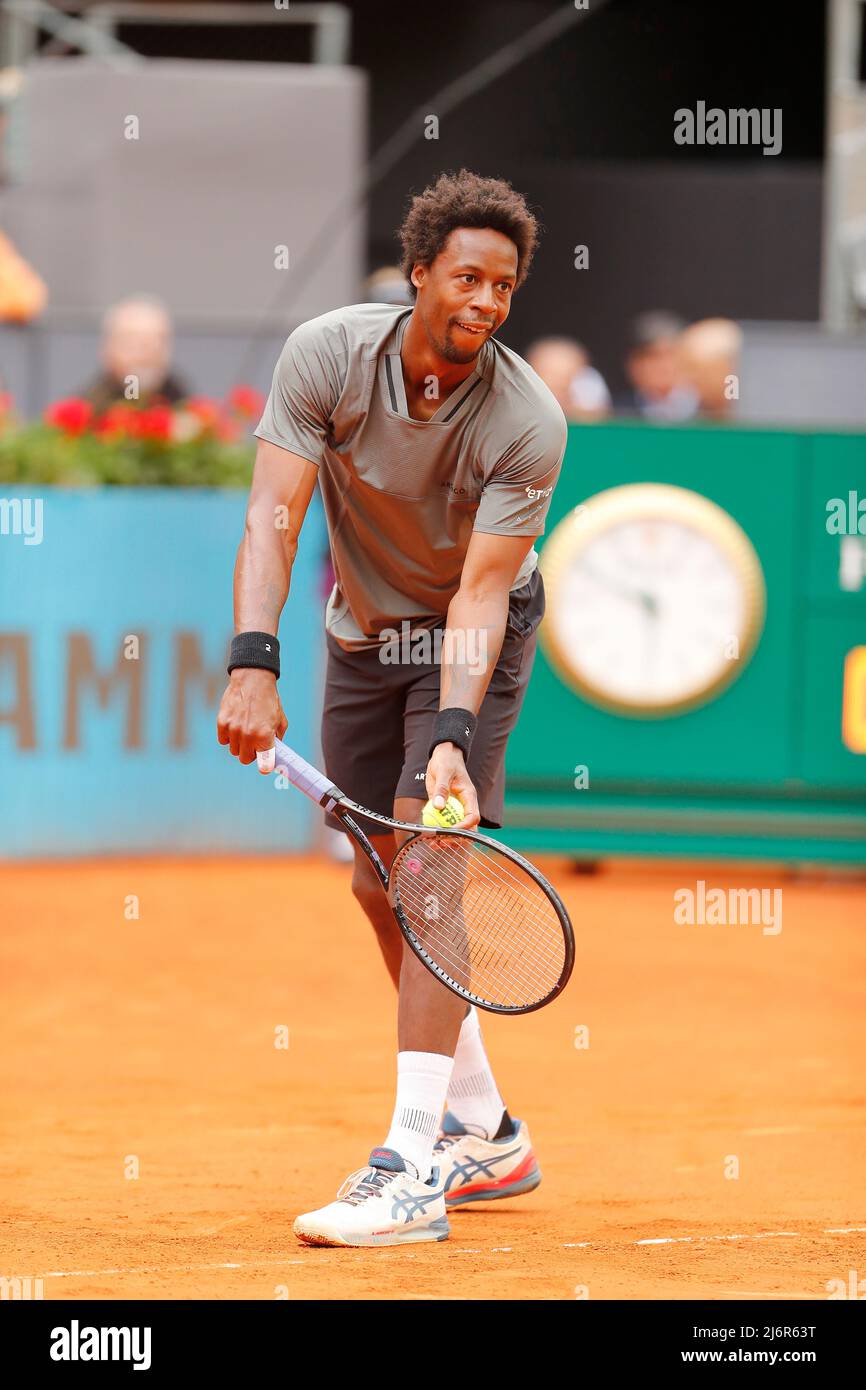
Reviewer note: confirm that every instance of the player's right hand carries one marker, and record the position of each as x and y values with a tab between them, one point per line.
250	714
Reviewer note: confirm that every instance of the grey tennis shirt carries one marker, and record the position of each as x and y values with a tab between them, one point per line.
402	496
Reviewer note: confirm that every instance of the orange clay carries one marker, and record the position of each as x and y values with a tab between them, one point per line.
153	1040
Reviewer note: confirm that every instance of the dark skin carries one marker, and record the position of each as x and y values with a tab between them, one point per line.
470	282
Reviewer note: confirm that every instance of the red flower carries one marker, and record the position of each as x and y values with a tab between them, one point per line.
117	421
72	415
6	402
152	423
229	431
246	401
205	410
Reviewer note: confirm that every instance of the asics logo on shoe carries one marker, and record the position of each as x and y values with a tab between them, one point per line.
470	1168
408	1204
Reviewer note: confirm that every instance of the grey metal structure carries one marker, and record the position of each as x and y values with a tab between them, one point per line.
94	31
21	20
206	184
800	375
331	24
843	288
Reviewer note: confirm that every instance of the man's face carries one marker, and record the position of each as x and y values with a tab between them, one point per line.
558	364
465	293
138	343
654	370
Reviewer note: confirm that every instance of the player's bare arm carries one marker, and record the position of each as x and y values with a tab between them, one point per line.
250	712
431	438
475	629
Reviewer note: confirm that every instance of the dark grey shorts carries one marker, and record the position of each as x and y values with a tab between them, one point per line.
377	719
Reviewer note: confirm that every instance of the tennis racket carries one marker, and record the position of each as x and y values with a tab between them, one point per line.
479	916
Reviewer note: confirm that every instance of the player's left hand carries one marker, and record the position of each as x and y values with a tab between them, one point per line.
447	776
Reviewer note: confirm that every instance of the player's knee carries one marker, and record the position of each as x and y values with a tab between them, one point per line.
375	907
367	886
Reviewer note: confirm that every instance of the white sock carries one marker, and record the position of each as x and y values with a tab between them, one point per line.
473	1096
422	1081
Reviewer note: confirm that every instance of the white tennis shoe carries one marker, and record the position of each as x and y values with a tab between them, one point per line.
381	1204
481	1170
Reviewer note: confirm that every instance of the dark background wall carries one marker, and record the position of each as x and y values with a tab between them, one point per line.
604	90
585	128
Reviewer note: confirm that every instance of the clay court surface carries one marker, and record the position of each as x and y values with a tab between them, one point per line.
155	1038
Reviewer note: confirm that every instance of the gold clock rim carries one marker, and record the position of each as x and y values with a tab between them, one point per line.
639	501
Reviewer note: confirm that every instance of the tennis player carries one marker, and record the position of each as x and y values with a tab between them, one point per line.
436	449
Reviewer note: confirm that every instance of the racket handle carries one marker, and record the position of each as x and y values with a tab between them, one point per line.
299	772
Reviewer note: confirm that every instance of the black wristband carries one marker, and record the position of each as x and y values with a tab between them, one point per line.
454	726
258	650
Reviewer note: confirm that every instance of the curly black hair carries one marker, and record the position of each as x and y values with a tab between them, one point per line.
466	200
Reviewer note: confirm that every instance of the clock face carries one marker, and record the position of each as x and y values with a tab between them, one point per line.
655	599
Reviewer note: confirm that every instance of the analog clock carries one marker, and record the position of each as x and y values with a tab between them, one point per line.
655	599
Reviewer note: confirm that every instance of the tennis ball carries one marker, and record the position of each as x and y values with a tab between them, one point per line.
451	814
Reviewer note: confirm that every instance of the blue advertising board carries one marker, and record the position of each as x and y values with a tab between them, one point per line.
115	620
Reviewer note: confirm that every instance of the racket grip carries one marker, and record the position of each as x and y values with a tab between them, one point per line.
300	773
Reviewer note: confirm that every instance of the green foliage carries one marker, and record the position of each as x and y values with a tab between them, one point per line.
198	443
42	454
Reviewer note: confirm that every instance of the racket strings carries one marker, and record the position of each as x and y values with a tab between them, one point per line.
494	974
470	969
481	918
497	900
484	950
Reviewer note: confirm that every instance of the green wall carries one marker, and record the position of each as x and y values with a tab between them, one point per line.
761	770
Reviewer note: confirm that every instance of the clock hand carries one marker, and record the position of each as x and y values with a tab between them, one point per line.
647	601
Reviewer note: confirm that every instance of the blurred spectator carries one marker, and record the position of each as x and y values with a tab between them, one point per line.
710	354
387	285
22	293
564	366
136	356
657	389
